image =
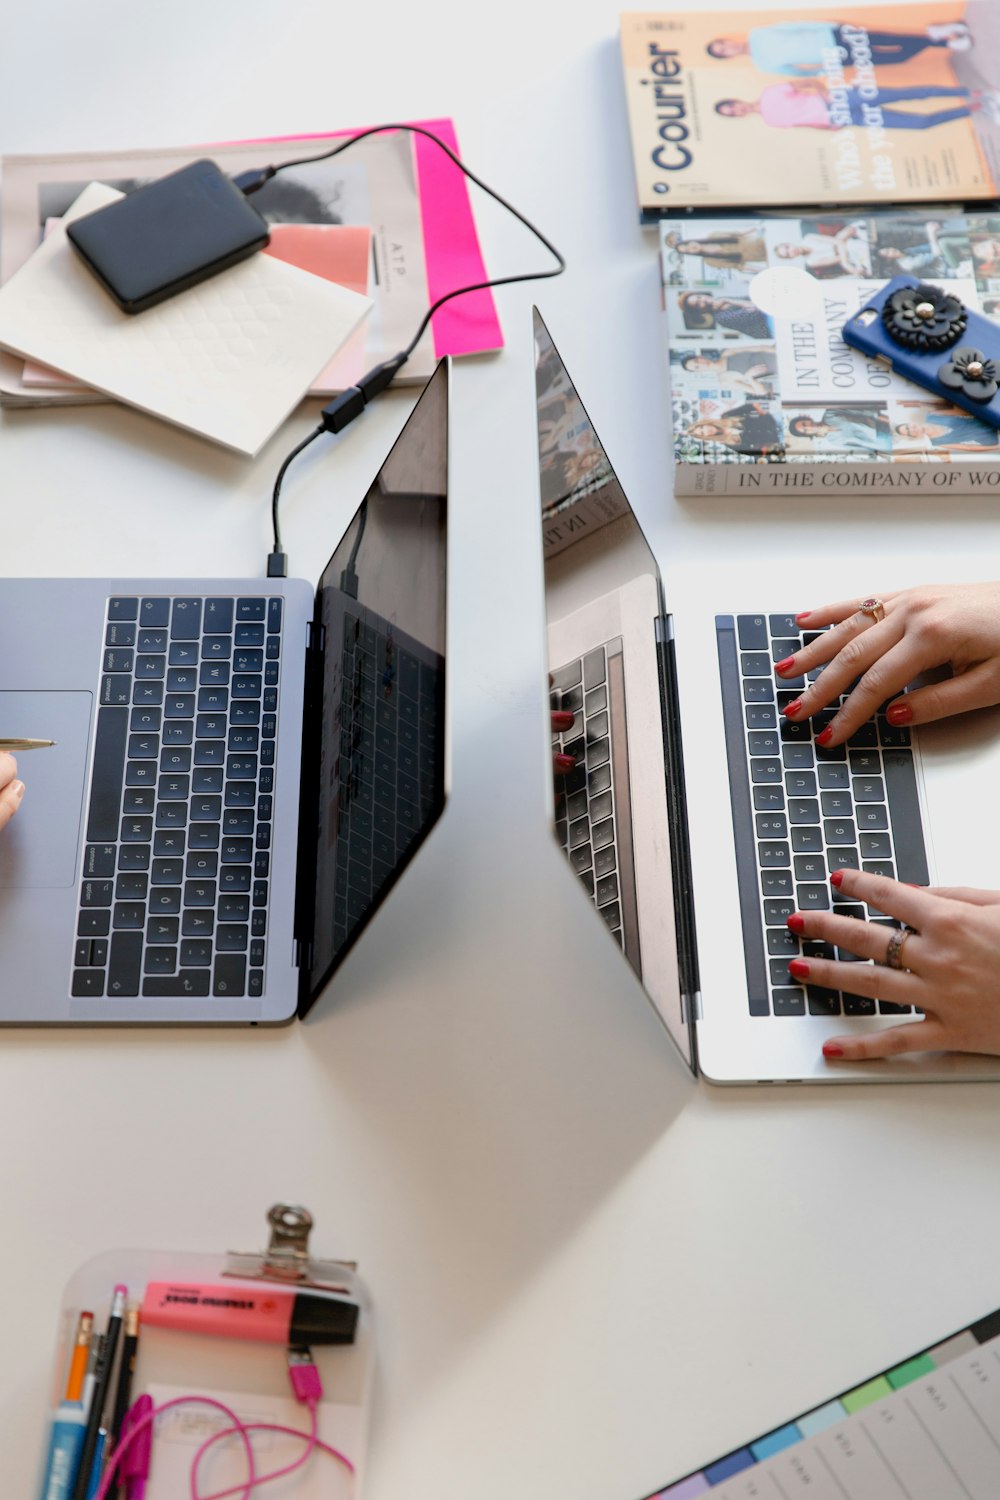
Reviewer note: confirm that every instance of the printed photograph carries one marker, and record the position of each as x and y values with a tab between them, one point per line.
752	369
752	428
914	246
716	315
827	429
926	426
825	247
713	255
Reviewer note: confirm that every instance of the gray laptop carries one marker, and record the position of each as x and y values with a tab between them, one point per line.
242	768
693	862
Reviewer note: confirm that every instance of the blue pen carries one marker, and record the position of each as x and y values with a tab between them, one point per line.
97	1468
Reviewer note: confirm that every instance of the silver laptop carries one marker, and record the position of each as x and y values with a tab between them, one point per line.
693	861
242	768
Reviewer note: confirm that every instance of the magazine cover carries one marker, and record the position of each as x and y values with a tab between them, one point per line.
766	396
852	105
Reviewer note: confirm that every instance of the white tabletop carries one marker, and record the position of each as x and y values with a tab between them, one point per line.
590	1272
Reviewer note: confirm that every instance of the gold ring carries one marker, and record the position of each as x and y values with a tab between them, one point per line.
873	607
894	951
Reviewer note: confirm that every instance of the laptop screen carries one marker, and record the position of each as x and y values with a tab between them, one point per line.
618	783
379	688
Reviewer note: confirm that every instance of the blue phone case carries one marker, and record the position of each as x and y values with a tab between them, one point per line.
950	350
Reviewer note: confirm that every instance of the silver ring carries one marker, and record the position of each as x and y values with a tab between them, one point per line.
873	607
894	950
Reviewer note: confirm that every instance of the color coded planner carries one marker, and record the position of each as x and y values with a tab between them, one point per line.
928	1429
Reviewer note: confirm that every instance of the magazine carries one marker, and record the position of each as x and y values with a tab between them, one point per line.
765	395
401	186
846	105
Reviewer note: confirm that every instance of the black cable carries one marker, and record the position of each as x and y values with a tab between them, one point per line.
351	403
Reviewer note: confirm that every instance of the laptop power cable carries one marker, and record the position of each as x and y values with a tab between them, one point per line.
343	409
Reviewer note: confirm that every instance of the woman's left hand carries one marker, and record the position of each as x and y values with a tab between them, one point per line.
951	959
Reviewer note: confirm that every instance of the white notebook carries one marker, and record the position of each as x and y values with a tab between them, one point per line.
228	359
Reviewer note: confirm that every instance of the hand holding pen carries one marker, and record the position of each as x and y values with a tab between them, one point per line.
11	789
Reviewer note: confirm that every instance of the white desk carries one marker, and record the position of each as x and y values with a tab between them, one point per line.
590	1272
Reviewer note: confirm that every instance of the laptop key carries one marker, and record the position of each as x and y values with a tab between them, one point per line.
822	1001
777	912
776	882
773	856
842	859
875	846
797	756
807	839
771	826
752	632
87	983
768	799
781	943
123	609
812	898
229	974
803	810
188	984
788	1002
604	860
124	963
95	922
765	772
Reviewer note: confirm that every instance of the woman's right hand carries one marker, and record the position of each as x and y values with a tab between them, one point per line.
956	625
11	790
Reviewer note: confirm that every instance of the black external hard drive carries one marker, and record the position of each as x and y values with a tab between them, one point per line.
168	235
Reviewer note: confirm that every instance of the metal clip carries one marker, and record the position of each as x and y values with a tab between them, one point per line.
287	1256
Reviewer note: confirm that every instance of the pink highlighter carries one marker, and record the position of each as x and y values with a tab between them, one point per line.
263	1314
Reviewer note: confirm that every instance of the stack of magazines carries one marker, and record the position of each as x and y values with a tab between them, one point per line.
825	128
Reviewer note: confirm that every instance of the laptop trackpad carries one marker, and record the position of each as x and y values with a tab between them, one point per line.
39	847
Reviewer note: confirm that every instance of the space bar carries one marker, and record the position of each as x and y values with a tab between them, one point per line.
109	769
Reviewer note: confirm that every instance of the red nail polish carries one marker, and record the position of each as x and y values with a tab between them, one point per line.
783	666
830	1049
796	922
564	762
899	713
803	616
837	878
825	736
799	968
562	719
792	708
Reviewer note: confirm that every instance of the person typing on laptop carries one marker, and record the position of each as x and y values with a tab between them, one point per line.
11	789
944	959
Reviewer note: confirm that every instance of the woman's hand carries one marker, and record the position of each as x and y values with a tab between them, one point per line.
950	964
957	625
11	790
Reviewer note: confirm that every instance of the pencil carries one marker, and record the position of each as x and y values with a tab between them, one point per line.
25	744
80	1355
105	1364
126	1369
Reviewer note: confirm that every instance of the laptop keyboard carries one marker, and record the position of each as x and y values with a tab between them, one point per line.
176	863
801	811
388	769
593	824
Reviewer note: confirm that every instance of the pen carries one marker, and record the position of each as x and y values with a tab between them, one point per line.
25	744
126	1369
105	1364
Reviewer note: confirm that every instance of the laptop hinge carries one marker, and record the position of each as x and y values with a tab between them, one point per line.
680	846
691	1005
305	871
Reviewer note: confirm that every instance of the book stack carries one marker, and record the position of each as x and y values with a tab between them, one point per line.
772	153
390	218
